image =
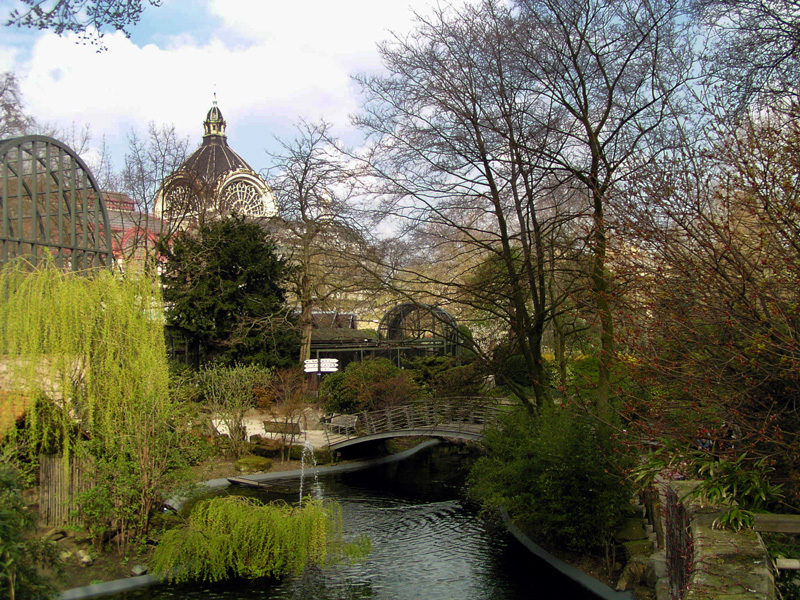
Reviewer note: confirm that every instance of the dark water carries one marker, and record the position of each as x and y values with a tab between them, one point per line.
426	544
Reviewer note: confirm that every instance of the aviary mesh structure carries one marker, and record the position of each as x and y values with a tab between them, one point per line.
422	327
50	206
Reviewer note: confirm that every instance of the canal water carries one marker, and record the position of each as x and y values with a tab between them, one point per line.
427	543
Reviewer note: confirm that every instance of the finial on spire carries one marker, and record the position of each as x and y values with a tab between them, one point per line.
214	123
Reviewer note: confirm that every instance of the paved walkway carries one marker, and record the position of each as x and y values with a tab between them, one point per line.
253	422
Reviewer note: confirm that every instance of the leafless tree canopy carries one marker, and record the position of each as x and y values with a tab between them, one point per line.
89	18
13	119
752	55
314	189
503	132
150	159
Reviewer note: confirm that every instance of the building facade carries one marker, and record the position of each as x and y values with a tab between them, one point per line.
213	182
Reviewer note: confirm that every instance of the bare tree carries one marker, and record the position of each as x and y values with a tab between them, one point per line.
88	18
284	397
150	159
610	80
102	167
13	119
313	188
461	173
753	50
716	326
492	117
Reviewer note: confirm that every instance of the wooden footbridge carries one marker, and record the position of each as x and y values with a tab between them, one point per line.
458	418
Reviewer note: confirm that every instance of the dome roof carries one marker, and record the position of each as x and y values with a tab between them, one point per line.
214	157
215	180
214	123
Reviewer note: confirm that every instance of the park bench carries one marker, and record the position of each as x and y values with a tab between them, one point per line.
343	424
774	523
282	427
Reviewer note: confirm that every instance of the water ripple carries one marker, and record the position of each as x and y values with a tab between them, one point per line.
425	545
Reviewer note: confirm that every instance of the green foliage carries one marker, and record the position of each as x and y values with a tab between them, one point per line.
740	485
740	482
92	347
252	464
368	385
241	537
21	556
50	423
559	476
225	286
445	376
513	369
229	392
335	396
782	545
468	344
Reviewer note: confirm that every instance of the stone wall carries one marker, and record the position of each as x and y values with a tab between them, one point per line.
13	373
722	564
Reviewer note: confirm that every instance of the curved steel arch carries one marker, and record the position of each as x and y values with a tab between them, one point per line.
51	204
421	325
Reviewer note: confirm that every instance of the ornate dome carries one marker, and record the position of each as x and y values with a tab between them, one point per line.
215	180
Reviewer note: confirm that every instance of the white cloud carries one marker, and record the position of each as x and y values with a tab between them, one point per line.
8	58
270	62
347	30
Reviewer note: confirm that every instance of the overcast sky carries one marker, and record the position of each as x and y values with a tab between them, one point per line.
270	62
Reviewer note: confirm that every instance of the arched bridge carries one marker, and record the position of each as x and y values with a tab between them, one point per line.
460	418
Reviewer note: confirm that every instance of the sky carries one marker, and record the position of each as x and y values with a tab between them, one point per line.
270	63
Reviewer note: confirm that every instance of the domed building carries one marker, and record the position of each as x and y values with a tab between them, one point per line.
214	181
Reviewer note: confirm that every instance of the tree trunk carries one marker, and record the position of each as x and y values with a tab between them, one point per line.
600	285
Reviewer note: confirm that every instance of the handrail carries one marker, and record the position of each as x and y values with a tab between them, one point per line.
448	415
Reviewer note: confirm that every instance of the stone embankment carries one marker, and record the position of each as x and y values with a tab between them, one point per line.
696	561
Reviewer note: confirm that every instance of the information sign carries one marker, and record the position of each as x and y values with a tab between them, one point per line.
321	365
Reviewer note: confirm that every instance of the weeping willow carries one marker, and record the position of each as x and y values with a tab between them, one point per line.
93	347
242	537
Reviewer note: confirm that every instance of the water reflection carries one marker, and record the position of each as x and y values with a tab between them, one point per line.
426	543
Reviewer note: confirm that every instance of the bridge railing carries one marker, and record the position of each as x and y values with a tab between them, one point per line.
438	414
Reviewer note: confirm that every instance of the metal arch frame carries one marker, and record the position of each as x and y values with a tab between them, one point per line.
448	337
85	224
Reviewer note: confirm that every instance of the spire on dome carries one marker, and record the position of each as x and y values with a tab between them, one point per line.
214	123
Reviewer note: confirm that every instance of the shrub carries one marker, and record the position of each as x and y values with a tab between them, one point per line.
20	556
230	392
559	476
514	369
368	385
445	376
335	397
240	537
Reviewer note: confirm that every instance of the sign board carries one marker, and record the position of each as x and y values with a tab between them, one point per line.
321	365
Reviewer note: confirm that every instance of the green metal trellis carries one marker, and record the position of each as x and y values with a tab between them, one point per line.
50	204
